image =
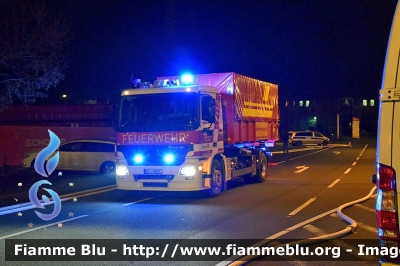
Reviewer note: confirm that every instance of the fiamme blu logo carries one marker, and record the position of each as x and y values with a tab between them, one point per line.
45	163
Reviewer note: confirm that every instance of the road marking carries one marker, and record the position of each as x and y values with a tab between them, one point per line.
315	230
238	260
308	202
365	208
354	163
71	219
334	215
301	168
127	204
347	171
349	248
368	228
309	154
41	227
297	263
358	158
333	183
336	152
299	150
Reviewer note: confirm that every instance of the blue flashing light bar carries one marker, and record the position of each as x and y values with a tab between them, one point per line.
138	158
169	158
187	79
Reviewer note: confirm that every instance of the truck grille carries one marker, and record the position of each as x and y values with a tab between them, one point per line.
154	154
154	177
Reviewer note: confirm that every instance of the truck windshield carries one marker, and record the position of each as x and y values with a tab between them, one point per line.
159	112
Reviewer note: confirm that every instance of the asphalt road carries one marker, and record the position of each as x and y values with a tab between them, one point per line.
298	201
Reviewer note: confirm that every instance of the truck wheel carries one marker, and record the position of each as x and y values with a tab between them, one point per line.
217	179
262	168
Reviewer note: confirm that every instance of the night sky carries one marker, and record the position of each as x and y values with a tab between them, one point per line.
310	48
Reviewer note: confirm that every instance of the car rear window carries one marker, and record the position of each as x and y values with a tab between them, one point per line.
304	134
72	147
97	147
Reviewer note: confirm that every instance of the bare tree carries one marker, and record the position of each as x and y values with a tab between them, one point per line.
32	50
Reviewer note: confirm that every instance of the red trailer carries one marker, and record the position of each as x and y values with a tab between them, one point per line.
250	106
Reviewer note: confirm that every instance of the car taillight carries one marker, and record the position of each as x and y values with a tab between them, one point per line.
386	208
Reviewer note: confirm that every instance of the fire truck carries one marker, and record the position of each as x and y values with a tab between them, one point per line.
196	132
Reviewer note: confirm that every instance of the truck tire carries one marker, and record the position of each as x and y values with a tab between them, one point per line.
217	179
262	168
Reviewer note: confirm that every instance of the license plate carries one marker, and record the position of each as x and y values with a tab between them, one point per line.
153	171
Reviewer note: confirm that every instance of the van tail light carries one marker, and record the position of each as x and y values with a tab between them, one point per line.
386	209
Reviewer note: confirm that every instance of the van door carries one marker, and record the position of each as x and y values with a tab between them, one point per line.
388	146
95	153
308	138
70	156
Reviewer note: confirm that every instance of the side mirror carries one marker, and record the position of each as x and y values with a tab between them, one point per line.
208	109
374	179
212	111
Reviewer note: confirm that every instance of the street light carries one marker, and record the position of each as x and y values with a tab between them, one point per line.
63	98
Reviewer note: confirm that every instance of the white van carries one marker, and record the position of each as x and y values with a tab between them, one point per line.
298	138
81	155
388	147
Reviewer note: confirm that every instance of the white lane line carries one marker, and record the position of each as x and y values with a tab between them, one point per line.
354	163
43	226
68	220
365	208
333	183
308	202
238	259
127	204
310	154
234	260
315	230
368	228
358	158
347	171
298	150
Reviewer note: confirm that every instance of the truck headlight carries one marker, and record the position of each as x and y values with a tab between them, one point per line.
122	170
188	171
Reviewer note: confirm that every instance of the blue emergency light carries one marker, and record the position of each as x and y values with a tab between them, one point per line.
138	158
187	79
169	158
